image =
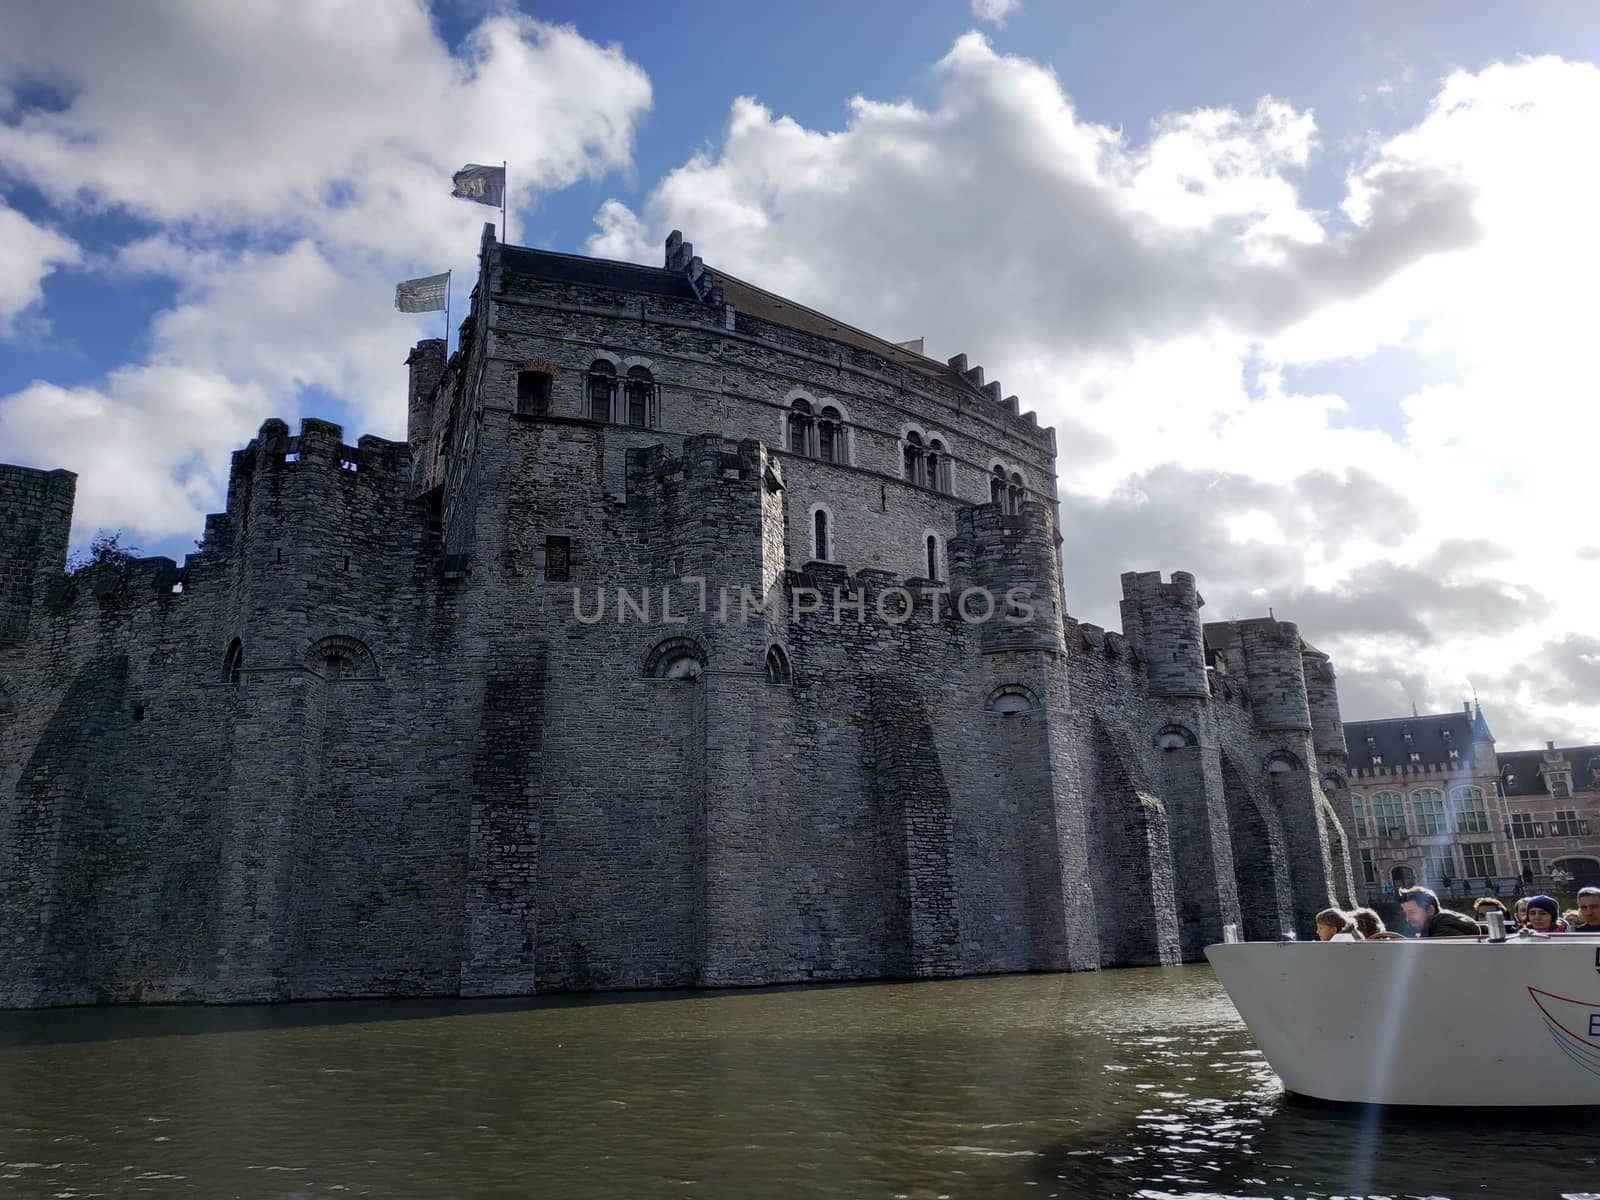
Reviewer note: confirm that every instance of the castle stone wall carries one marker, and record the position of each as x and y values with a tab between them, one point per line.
368	741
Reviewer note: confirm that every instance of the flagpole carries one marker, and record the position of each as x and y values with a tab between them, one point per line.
447	316
503	190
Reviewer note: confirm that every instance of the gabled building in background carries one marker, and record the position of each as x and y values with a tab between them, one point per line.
1433	802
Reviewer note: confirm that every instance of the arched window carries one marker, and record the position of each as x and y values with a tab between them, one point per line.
778	670
1016	493
342	657
1388	815
1175	737
1427	808
800	427
939	473
933	556
1011	700
233	663
821	536
997	486
1471	814
1403	876
602	390
640	395
913	459
675	658
830	436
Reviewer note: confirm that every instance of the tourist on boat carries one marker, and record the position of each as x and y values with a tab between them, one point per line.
1519	912
1544	915
1588	911
1336	926
1484	905
1371	927
1421	906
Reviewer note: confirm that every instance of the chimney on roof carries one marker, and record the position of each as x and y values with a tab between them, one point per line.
679	252
1466	707
1549	745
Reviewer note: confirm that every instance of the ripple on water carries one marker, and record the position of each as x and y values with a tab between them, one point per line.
1118	1084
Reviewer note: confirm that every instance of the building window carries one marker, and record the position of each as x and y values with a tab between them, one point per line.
1360	808
1427	806
778	670
1389	815
533	393
1016	493
1566	823
1478	858
639	395
1532	864
800	427
913	462
1369	869
830	436
1522	825
233	663
675	658
940	470
1471	815
557	559
1438	864
933	557
1559	787
997	486
602	390
821	536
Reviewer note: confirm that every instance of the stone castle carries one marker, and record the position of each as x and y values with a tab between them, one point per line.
368	741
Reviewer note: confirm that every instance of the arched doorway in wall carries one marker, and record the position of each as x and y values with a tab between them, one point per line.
1403	876
1585	872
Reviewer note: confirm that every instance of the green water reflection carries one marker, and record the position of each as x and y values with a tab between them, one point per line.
1127	1083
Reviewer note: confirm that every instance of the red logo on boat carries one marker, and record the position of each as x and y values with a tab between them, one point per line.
1574	1024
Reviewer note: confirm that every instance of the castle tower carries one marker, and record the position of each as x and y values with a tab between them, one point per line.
426	363
1161	621
1270	653
33	542
1013	557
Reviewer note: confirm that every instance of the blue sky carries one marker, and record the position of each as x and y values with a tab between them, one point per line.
1300	285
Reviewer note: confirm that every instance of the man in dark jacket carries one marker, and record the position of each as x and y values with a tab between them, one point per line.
1421	906
1588	911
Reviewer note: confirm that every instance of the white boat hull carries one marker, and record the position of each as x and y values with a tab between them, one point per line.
1456	1023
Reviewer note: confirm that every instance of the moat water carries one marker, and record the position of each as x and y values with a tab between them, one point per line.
1139	1083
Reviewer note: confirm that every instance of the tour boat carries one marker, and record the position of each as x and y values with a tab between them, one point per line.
1448	1022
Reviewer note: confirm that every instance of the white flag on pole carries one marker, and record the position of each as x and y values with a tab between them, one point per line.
422	295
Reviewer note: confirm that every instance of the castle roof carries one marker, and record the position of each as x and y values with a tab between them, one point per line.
595	272
1432	736
745	297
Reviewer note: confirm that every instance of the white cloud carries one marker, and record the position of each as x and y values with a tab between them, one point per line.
295	164
1149	296
28	253
994	11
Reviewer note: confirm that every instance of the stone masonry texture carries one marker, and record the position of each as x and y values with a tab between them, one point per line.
545	698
